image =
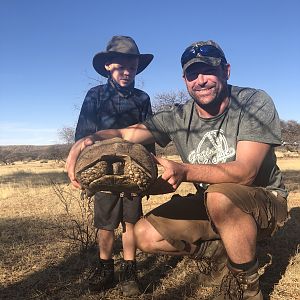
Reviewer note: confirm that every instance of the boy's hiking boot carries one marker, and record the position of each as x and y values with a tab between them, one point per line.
240	285
211	259
103	276
129	284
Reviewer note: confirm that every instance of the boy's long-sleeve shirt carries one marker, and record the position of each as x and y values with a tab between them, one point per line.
104	107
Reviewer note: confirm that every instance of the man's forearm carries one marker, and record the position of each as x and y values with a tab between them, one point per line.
106	134
137	133
233	172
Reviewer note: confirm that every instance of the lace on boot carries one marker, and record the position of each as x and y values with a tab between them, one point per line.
241	285
231	288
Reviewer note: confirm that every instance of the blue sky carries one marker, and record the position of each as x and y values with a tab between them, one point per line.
47	48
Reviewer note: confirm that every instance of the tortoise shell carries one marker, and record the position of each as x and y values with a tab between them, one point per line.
115	165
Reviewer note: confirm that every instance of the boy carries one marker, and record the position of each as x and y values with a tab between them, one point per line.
116	104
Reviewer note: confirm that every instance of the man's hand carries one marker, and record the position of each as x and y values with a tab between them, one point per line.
174	173
73	155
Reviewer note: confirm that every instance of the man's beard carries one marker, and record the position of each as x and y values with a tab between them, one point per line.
215	103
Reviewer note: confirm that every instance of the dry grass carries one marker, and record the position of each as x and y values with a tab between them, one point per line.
39	261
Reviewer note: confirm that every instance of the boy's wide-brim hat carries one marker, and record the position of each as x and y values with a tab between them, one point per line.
120	46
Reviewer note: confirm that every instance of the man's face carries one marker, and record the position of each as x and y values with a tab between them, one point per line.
206	84
123	69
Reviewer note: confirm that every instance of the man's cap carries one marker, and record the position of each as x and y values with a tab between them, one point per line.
119	46
208	52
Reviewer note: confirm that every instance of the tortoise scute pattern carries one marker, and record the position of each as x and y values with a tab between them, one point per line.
115	165
92	173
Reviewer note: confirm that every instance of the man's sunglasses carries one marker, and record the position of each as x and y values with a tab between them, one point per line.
204	50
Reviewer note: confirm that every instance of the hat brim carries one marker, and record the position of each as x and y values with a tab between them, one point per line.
212	61
101	58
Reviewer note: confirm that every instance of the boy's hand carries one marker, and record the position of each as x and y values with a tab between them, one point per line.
73	155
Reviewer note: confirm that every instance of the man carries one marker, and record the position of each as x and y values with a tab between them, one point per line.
116	104
226	137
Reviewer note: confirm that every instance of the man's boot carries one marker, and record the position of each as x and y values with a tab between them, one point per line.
103	276
240	285
129	284
211	259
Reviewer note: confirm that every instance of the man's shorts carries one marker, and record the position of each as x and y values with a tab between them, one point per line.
184	219
110	210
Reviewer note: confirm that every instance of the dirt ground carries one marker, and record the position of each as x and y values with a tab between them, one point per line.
43	256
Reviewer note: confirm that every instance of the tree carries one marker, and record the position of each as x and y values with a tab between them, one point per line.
167	99
290	131
5	156
57	152
66	135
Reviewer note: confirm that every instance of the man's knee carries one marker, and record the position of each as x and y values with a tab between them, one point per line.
143	235
219	206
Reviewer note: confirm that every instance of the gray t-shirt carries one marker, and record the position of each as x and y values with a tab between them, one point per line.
250	116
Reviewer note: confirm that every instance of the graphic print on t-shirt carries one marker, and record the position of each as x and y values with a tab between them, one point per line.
212	149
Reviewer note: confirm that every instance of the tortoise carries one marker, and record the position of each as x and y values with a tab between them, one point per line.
117	166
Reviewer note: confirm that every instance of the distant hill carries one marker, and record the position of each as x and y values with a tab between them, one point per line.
9	154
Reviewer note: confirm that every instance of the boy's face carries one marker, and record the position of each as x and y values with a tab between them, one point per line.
123	69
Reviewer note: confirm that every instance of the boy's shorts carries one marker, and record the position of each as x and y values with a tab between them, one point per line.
184	219
110	210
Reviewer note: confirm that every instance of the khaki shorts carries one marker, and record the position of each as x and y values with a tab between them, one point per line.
184	219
